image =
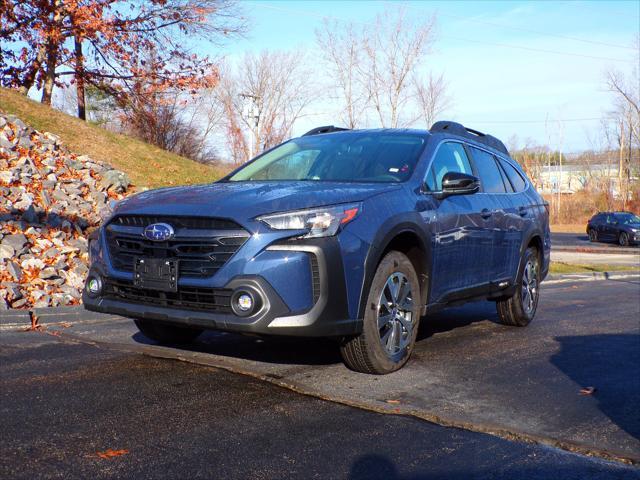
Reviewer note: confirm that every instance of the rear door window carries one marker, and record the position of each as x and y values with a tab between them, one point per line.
488	171
514	176
451	157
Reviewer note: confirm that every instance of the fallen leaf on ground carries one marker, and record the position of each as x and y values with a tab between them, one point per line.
111	453
587	390
393	402
34	324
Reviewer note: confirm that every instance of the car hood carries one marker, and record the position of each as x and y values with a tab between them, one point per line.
246	200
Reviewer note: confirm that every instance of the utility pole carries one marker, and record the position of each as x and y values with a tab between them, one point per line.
621	162
251	113
561	140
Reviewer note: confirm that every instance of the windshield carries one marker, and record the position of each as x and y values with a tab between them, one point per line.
627	218
338	157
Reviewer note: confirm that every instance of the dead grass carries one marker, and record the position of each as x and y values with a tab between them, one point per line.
146	165
568	227
578	208
562	267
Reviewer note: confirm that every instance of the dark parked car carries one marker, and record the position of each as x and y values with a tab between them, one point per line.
353	235
620	227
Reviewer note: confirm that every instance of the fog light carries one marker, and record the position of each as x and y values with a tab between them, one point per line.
245	302
94	285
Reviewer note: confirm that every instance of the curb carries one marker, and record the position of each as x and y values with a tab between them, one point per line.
601	250
588	276
50	315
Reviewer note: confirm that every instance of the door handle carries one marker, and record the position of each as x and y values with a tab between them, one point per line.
522	211
486	213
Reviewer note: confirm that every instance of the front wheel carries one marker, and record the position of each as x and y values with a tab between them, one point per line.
391	319
593	235
623	239
519	309
167	334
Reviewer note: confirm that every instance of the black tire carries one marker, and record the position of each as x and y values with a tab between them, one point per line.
593	235
366	353
167	334
516	310
623	239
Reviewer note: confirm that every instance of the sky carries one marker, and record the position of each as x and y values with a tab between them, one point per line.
531	69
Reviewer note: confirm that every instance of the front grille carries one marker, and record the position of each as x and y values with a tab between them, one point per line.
190	298
196	223
200	251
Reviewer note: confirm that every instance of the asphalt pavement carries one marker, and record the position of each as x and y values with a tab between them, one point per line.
512	393
72	410
580	242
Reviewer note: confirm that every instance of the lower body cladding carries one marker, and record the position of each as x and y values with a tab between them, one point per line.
246	304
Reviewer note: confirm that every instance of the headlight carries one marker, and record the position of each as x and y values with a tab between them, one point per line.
319	222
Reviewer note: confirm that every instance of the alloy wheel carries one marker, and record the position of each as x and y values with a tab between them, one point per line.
530	287
623	239
395	314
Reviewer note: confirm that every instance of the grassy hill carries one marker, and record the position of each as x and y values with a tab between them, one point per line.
146	165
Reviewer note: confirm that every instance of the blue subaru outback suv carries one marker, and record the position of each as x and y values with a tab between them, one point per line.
350	234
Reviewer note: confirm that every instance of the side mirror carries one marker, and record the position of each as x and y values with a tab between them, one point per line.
456	183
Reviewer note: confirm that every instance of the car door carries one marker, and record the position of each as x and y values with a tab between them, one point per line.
461	231
609	228
505	239
521	214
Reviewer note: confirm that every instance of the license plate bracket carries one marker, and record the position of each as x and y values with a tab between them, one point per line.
156	274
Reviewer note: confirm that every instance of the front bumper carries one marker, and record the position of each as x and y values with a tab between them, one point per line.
328	317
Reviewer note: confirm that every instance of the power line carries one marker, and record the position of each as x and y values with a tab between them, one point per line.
530	49
528	30
503	45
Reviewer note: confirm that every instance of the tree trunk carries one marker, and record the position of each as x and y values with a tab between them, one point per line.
30	77
82	114
50	74
52	55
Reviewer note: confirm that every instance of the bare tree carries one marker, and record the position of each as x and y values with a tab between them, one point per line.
626	113
375	68
342	50
262	98
431	97
393	49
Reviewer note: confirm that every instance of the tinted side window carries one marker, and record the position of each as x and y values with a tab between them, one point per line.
450	157
490	176
514	176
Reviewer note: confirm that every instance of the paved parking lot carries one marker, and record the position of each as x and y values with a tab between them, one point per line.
74	410
467	370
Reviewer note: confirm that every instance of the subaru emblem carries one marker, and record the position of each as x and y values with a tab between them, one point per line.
158	232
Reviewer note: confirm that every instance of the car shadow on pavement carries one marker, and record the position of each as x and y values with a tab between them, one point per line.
280	350
319	351
456	317
608	363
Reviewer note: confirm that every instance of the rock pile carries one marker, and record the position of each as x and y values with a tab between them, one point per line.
50	200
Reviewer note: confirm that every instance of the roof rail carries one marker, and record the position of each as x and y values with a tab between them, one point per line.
325	129
462	131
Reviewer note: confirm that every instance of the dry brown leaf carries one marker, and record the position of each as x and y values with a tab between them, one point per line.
110	453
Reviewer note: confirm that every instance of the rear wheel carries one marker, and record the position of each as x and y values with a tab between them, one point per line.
519	309
167	334
593	235
391	319
623	239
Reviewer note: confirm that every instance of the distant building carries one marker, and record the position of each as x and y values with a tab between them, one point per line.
572	178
